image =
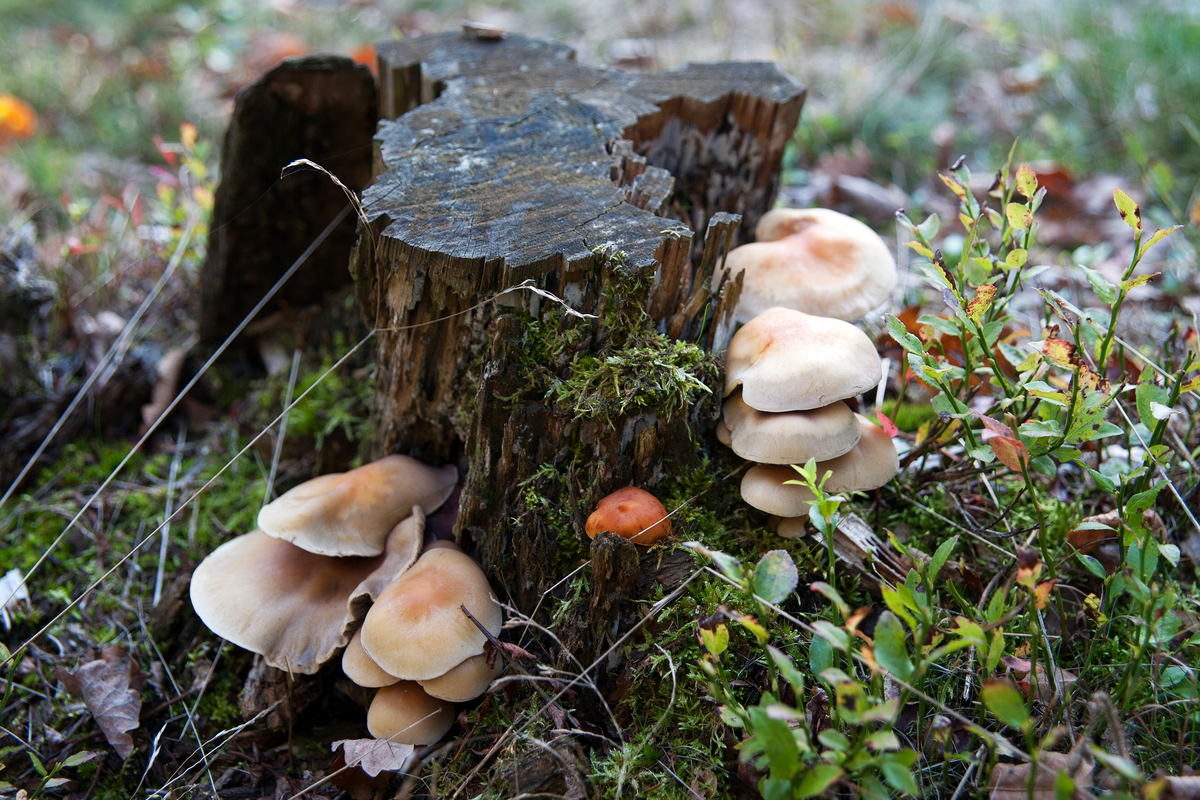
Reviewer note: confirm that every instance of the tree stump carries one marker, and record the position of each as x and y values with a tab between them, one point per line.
322	108
506	162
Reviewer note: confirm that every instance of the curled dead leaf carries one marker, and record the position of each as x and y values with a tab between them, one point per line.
374	756
109	687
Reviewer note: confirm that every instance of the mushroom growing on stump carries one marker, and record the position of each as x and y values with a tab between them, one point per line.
293	607
786	360
786	375
813	260
630	513
789	437
417	631
350	513
869	465
359	667
404	713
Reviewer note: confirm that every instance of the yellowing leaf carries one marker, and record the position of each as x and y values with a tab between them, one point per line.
1059	352
1041	594
1026	181
920	248
1018	216
1140	280
954	186
1129	210
1163	233
982	302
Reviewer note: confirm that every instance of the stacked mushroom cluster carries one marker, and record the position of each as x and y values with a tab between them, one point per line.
338	552
786	376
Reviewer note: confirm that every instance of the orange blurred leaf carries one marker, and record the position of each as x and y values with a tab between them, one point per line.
18	120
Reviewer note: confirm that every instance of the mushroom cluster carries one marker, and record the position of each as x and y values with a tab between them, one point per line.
786	376
339	552
813	260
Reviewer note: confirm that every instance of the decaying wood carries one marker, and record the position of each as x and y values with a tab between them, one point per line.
322	108
506	161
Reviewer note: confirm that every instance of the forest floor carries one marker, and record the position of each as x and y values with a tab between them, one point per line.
1044	628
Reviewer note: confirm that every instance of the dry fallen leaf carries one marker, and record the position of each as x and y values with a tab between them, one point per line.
1172	788
109	687
374	756
1047	692
1010	781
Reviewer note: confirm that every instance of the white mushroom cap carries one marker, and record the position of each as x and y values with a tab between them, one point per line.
404	713
294	607
785	360
359	667
350	513
416	630
871	464
465	682
813	260
790	437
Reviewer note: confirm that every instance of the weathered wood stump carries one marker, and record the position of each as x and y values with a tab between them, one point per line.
506	162
322	108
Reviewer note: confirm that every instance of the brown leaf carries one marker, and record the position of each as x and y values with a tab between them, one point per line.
375	755
105	686
1010	781
1171	788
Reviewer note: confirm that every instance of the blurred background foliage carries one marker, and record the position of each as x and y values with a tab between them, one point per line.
1090	86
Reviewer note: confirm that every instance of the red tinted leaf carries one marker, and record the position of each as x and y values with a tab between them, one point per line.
1011	452
888	426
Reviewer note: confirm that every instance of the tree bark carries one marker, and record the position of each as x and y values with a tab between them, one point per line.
322	108
509	162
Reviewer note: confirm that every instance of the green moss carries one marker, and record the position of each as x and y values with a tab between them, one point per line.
908	416
634	369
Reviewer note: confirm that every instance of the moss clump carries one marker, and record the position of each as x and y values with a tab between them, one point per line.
666	377
634	369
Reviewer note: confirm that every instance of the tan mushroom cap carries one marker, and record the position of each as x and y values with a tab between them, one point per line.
465	682
790	437
813	260
350	513
404	713
871	464
764	487
359	667
785	360
416	630
630	513
294	607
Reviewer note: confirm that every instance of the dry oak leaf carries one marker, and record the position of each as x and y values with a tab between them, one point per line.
1010	781
109	687
374	756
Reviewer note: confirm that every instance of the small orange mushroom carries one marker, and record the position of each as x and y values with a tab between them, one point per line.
631	513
